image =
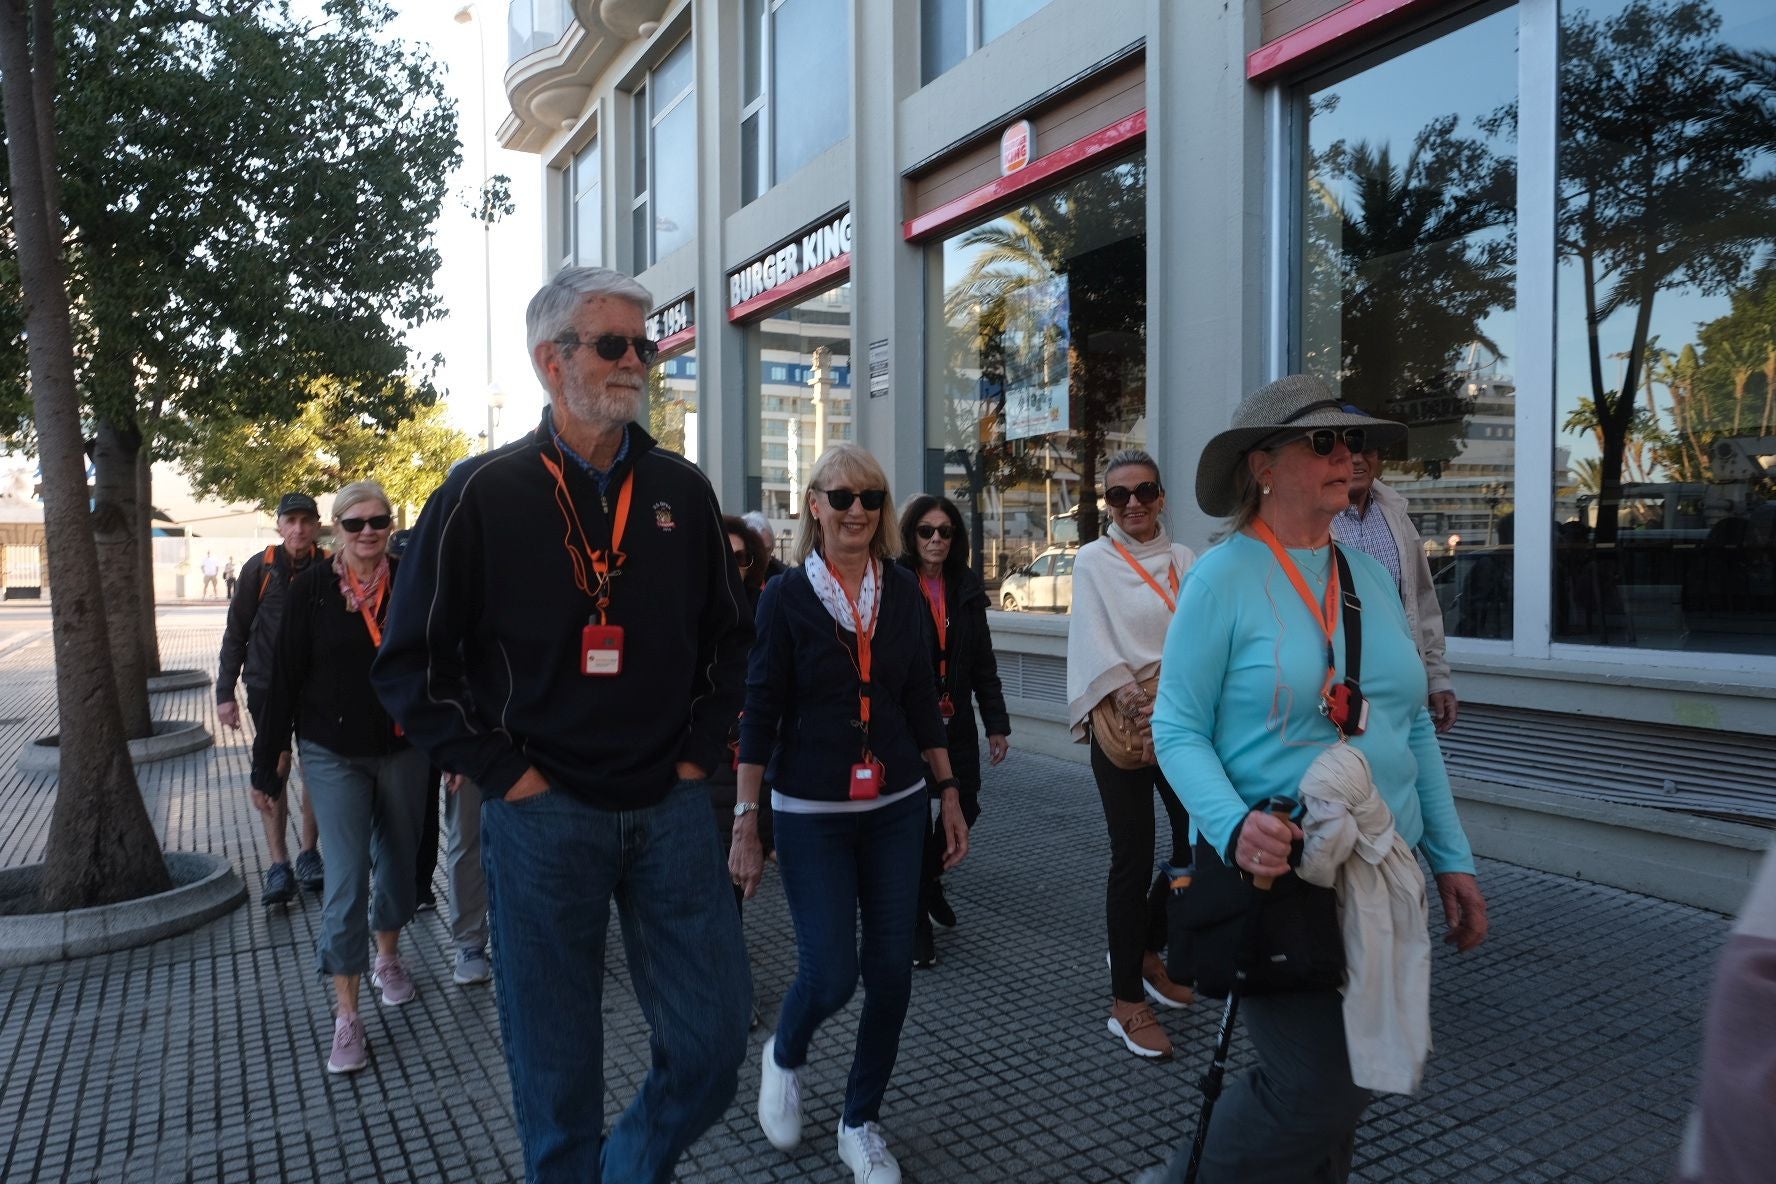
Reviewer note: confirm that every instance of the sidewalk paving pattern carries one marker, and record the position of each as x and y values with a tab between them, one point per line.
1565	1047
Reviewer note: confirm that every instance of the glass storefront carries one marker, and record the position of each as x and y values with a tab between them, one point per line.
672	403
798	398
1408	290
1665	383
1036	371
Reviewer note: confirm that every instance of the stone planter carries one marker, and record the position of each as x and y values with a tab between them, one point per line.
204	888
171	738
178	680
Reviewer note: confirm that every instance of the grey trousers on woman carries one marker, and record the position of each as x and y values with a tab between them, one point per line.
462	867
1293	1118
370	811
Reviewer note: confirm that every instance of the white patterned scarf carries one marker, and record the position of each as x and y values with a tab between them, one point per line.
826	586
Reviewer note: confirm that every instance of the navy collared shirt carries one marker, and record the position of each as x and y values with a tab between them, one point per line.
601	476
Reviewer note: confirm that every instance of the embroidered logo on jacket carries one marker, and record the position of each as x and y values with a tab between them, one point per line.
663	516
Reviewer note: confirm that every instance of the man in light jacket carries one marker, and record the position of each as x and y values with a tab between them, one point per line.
1377	524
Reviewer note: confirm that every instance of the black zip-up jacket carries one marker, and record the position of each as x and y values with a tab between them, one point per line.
249	642
802	690
973	672
482	660
321	681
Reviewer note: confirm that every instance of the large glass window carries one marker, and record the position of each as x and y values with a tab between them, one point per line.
795	100
582	238
1408	290
672	403
1036	373
1665	383
799	395
664	211
950	30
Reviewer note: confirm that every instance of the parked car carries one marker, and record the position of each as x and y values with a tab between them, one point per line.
1044	584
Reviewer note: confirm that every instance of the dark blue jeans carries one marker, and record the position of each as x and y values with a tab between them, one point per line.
553	866
833	867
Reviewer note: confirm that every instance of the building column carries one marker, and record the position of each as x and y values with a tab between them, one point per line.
721	362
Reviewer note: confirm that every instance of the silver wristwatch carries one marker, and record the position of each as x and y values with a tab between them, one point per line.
741	809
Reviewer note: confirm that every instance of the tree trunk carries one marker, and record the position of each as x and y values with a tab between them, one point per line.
101	845
150	634
1767	424
117	529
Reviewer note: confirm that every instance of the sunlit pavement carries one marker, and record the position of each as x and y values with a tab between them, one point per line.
1566	1046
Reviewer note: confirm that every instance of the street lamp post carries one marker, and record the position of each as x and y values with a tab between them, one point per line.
466	15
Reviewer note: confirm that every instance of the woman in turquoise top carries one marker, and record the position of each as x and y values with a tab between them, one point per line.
1238	720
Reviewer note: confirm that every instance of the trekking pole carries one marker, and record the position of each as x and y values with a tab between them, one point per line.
1211	1081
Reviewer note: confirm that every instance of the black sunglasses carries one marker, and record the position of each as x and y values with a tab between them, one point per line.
612	346
841	499
742	559
374	522
1147	492
925	530
1322	440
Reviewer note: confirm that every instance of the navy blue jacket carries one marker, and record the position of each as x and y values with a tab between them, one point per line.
801	690
481	661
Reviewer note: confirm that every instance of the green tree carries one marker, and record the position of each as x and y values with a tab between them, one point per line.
101	846
249	201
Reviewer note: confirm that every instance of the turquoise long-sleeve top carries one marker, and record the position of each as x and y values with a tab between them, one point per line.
1238	716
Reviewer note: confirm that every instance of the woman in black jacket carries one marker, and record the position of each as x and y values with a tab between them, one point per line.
935	546
367	782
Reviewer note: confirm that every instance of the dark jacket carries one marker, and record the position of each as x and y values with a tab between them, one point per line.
250	639
802	691
321	679
482	661
973	673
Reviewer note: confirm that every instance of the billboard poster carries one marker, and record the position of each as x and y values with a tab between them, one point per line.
1036	341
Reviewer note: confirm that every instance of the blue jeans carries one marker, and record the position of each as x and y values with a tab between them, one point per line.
833	866
554	864
370	811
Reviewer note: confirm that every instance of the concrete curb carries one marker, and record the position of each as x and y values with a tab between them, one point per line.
178	680
205	887
172	737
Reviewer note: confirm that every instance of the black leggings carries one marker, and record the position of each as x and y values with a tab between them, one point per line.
1135	898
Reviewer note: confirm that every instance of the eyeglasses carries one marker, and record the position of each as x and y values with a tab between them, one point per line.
841	499
612	346
742	559
925	530
1323	440
1147	492
374	522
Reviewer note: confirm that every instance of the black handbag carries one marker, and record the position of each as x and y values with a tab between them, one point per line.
1288	937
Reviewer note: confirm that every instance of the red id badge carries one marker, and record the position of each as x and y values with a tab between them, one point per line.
601	651
946	708
866	781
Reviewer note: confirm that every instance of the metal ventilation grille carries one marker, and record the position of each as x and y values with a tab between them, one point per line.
1042	677
1718	774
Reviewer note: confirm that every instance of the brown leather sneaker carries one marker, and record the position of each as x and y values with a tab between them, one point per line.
1160	987
1134	1024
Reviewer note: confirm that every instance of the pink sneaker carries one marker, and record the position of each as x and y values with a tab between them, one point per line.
392	979
349	1052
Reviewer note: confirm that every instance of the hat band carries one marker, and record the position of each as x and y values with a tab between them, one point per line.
1322	405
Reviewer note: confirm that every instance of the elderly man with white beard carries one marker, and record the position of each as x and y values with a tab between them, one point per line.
569	633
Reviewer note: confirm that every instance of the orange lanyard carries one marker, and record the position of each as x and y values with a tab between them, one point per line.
864	638
601	561
1171	601
1327	618
367	608
941	619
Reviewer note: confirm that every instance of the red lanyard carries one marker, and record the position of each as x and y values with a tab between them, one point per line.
1327	618
368	608
941	618
600	560
1171	602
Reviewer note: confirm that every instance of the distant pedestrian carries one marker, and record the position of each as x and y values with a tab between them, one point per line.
228	580
934	545
1125	590
569	633
1377	524
761	526
367	782
1247	705
249	656
841	703
211	570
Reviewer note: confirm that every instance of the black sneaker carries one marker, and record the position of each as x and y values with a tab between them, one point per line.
280	885
426	903
937	906
924	949
311	873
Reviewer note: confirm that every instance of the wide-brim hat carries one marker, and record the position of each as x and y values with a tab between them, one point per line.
1295	401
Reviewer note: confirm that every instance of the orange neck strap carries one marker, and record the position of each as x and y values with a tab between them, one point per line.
1326	617
1171	601
592	569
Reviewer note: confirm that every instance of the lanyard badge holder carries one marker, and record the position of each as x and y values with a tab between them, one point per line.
946	707
867	773
601	643
1343	705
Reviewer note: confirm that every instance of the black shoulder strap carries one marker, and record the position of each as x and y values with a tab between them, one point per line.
1353	620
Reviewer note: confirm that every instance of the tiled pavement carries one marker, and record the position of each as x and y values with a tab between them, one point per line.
1565	1046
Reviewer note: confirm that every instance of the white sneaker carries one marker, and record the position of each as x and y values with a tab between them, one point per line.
866	1154
780	1101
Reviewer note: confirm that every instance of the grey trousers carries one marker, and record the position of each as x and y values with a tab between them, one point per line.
370	811
1293	1118
462	867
